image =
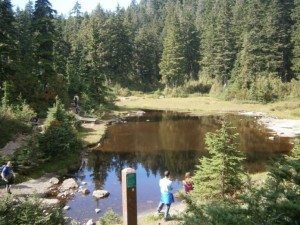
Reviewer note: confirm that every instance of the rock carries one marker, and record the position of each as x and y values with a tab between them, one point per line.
84	191
69	184
67	207
54	180
37	187
84	183
140	113
90	222
50	202
97	210
61	195
100	194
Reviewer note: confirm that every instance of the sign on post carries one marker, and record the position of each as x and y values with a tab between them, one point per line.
129	196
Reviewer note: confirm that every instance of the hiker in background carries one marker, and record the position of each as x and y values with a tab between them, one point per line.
77	109
187	182
8	176
76	100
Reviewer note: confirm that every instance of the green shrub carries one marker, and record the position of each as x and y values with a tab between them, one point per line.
294	89
15	211
195	86
175	92
60	135
14	119
110	218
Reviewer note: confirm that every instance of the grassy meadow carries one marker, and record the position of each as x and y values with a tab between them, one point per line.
206	105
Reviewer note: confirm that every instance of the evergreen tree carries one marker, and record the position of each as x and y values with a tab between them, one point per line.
44	31
146	56
191	41
173	62
296	39
275	202
28	83
73	36
7	42
220	175
60	137
278	29
251	59
218	51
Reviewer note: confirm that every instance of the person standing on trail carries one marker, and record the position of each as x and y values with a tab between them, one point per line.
76	99
167	198
8	176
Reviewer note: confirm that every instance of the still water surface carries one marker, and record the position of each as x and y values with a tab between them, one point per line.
160	140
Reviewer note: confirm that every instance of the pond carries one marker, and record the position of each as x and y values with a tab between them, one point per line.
160	140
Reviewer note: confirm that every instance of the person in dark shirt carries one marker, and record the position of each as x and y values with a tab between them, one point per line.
8	176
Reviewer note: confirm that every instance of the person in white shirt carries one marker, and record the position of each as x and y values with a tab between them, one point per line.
167	198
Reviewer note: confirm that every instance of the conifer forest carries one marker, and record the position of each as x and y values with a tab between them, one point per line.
239	49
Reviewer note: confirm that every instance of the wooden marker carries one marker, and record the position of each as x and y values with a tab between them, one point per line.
129	196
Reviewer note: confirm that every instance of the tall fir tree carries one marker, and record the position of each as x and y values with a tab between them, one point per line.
278	30
44	32
7	42
173	60
26	64
219	176
146	56
218	52
295	39
73	36
191	41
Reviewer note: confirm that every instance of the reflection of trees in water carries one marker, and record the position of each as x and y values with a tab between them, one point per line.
176	162
100	164
174	141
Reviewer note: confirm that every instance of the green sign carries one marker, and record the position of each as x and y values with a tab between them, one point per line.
131	180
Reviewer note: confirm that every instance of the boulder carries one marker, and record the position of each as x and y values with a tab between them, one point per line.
69	184
54	180
100	193
84	191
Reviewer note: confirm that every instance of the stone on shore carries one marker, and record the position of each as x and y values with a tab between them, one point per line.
90	222
54	180
67	207
69	184
50	202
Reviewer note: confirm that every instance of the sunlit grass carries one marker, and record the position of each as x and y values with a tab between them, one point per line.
91	134
204	104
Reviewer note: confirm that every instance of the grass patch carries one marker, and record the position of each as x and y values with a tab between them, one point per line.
90	134
110	218
205	104
153	218
9	128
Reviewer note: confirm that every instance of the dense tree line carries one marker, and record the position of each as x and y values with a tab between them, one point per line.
241	49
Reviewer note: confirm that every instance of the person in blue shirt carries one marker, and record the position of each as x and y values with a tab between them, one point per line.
167	198
8	176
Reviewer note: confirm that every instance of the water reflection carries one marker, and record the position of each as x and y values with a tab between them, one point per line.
163	137
158	141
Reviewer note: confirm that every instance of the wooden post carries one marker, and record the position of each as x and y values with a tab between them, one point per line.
129	196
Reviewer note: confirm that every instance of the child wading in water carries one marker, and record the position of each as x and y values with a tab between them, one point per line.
187	182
